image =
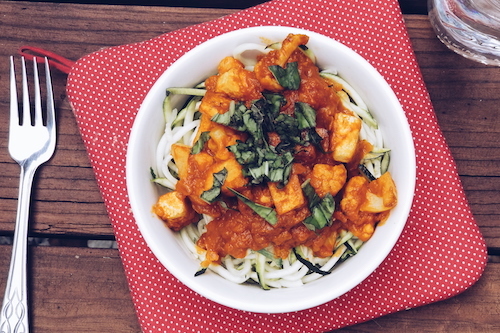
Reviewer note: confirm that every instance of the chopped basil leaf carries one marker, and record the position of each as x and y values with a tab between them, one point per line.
213	194
281	167
267	213
289	77
321	208
233	117
321	214
310	135
287	127
198	146
349	252
306	118
200	271
244	153
310	193
306	115
276	101
253	119
309	264
223	118
260	161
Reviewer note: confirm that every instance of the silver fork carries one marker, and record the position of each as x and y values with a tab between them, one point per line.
30	145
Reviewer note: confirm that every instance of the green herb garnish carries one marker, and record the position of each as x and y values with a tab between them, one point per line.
321	208
288	77
309	264
267	213
198	146
261	161
214	193
200	272
306	115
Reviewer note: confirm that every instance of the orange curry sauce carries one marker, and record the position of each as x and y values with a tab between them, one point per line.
235	228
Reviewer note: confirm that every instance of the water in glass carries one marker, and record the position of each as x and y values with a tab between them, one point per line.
469	27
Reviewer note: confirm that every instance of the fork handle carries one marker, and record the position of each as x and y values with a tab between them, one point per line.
14	315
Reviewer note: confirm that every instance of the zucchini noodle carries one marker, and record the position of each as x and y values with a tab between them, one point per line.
261	267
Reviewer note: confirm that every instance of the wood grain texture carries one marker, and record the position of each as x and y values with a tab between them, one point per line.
84	290
76	290
475	310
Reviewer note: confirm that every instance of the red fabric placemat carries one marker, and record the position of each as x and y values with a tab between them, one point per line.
440	252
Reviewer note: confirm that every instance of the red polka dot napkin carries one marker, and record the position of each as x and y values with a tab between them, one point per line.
441	251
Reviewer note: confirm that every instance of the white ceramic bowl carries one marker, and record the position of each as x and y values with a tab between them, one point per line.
197	65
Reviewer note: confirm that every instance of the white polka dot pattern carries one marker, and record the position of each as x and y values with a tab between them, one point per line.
440	252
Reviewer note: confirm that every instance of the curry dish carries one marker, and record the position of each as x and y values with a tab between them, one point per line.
276	163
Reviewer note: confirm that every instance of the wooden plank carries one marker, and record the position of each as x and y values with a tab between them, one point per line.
76	290
475	310
84	290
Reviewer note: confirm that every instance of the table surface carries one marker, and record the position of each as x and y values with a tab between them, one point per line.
77	288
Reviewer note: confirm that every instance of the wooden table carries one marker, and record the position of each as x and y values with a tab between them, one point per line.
75	288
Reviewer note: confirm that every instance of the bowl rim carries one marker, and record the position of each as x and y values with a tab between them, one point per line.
196	284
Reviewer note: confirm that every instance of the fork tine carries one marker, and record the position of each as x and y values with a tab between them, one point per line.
26	98
51	112
38	98
14	112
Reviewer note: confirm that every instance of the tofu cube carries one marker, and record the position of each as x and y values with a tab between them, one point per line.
220	138
181	153
345	136
175	210
381	195
202	160
289	197
262	196
234	178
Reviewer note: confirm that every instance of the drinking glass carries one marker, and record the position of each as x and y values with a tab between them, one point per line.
471	28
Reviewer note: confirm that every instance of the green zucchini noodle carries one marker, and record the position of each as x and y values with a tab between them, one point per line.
261	267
